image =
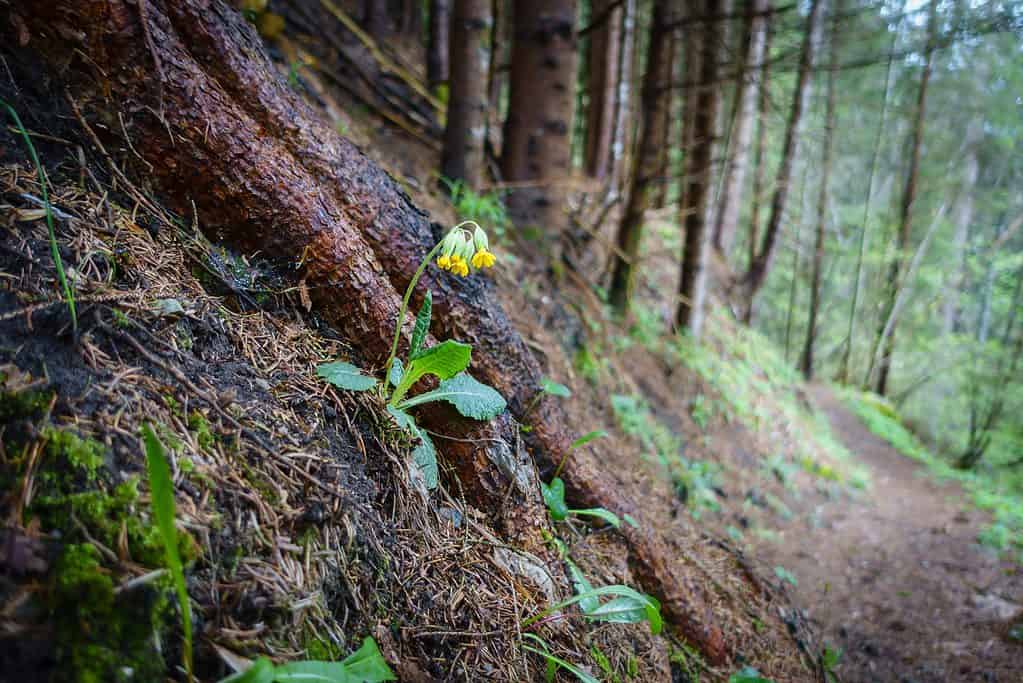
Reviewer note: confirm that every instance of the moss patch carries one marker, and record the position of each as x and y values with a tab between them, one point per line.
101	635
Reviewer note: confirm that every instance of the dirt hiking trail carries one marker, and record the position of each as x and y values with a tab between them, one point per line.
899	582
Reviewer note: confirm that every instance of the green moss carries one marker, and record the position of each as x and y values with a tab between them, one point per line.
102	636
22	405
321	649
198	424
83	455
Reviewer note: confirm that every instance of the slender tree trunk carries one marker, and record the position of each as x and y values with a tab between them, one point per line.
464	136
758	270
438	45
412	18
908	198
747	89
865	223
620	140
692	39
760	160
605	42
822	199
537	132
498	73
796	253
962	218
375	19
698	176
655	97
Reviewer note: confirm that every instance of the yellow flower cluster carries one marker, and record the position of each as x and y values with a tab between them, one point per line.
459	249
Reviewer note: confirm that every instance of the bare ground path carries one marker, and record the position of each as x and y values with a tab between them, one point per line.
899	582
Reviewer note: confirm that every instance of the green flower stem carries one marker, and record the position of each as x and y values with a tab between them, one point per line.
404	308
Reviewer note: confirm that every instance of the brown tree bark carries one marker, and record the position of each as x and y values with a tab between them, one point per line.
663	161
642	180
224	136
806	361
761	264
412	18
464	135
375	19
602	87
437	46
908	198
698	176
537	132
752	55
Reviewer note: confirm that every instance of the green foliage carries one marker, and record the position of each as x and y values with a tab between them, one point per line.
554	663
588	437
748	675
345	376
627	606
443	361
785	575
58	264
365	665
694	480
553	388
422	327
469	397
554	497
487	209
162	491
830	658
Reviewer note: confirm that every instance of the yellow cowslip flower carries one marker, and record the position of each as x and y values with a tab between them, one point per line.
459	266
483	259
444	262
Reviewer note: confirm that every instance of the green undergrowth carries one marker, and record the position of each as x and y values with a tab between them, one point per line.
760	390
996	490
104	630
694	480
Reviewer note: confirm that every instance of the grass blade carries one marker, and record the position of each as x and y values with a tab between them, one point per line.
162	491
54	251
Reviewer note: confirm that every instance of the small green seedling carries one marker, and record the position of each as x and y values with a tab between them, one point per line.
627	606
554	497
365	665
785	575
447	361
830	658
554	663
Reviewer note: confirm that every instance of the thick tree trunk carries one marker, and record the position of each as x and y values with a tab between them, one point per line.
908	198
439	43
605	43
655	98
224	136
693	282
464	136
745	104
757	273
537	132
375	19
806	362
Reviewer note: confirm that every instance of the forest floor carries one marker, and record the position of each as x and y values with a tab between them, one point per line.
899	581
